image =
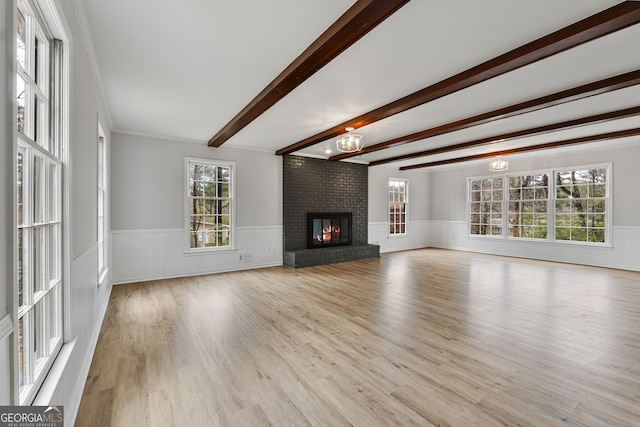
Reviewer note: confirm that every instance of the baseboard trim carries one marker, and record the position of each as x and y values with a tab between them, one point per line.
125	280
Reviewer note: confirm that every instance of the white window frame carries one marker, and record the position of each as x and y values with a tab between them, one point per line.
232	208
394	197
551	209
40	320
607	199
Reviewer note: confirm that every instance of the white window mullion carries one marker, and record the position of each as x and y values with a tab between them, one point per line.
27	359
551	228
55	316
40	351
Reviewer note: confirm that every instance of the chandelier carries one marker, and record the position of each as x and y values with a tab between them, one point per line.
350	142
499	165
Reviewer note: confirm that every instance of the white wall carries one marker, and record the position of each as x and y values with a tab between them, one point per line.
148	190
447	210
417	226
148	184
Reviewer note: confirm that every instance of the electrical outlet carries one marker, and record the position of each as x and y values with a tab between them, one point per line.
246	256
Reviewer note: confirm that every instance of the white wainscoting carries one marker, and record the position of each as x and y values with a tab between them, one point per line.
417	236
6	334
140	255
622	254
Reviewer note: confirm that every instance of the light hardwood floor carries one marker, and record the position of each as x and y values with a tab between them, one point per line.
425	337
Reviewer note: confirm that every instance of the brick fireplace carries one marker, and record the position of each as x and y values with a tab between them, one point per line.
331	190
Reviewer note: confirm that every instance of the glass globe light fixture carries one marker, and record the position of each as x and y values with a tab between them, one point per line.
499	165
350	142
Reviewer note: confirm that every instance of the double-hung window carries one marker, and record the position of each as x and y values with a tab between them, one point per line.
39	165
398	203
210	204
528	206
486	199
581	205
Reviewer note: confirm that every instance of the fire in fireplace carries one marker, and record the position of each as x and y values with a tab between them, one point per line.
328	229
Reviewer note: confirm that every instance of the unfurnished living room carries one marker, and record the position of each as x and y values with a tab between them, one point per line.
345	213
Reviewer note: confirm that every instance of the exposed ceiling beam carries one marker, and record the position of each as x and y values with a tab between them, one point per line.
538	147
598	118
595	88
608	21
361	18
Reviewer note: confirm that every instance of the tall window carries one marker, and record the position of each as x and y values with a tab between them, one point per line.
210	204
486	196
102	200
398	203
528	206
39	200
581	205
568	205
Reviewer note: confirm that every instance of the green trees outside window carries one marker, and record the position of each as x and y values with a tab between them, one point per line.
564	205
209	200
581	202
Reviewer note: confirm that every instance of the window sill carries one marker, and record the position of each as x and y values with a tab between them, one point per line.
543	241
210	252
52	380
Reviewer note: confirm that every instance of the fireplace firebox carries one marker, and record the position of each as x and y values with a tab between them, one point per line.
328	229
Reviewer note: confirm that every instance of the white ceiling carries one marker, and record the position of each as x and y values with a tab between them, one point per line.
183	69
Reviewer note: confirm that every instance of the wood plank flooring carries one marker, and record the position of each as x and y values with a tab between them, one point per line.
416	338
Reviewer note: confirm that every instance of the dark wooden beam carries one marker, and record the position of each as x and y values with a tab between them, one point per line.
547	146
595	88
598	118
361	18
606	22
